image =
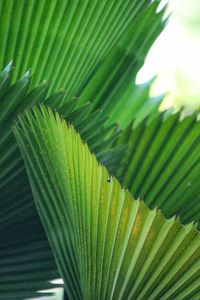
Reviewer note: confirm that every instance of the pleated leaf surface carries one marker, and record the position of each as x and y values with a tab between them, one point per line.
107	245
70	42
15	99
119	95
26	263
162	164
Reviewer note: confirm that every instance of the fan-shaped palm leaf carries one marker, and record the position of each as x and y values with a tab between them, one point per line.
106	244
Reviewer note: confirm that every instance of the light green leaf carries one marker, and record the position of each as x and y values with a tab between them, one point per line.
106	244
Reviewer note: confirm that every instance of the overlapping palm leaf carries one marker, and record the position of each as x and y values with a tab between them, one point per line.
18	211
162	164
66	42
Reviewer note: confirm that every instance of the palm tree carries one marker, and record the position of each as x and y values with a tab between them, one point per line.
97	186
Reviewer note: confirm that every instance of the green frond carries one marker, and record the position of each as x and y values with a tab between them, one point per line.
94	234
161	165
68	42
120	69
107	245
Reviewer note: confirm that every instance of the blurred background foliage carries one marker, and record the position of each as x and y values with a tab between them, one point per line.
175	56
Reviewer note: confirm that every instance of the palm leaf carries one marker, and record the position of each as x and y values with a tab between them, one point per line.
121	67
162	164
106	244
65	42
